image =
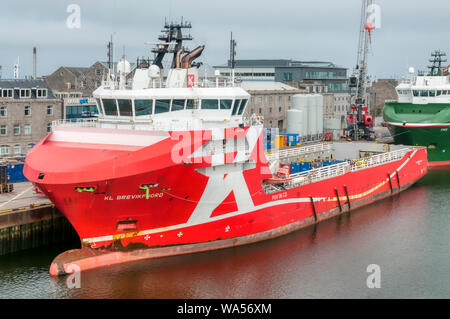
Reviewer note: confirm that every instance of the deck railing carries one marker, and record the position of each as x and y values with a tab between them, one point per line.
163	124
297	151
330	171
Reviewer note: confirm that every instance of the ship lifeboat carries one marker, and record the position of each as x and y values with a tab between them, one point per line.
281	177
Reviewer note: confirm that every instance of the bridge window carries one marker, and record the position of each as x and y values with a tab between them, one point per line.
242	107
143	107
125	107
424	93
236	106
225	104
189	104
109	105
210	104
439	92
416	93
162	106
433	93
178	105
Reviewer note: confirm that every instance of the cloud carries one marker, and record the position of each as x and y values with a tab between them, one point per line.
297	29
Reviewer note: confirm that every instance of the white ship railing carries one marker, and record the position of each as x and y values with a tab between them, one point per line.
297	151
326	172
166	124
158	84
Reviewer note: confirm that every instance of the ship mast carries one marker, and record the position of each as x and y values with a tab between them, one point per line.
171	42
436	60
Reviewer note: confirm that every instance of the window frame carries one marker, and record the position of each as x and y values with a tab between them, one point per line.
24	129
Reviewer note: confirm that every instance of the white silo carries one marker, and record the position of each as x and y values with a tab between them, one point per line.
300	103
319	108
312	115
295	122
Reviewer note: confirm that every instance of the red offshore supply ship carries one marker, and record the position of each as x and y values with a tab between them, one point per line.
175	167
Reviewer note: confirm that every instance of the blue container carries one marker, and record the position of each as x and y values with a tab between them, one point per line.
295	168
305	166
15	173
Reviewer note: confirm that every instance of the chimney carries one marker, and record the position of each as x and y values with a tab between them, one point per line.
34	63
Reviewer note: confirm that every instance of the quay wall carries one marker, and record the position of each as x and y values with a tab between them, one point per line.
33	227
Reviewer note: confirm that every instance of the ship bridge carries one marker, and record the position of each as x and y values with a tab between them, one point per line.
182	98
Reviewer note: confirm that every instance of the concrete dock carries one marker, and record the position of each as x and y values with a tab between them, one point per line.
29	220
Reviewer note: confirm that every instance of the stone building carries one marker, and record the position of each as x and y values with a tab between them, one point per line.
271	100
381	91
76	82
27	109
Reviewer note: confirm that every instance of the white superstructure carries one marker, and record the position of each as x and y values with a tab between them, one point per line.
424	90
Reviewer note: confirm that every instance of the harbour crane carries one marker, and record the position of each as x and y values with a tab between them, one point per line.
360	122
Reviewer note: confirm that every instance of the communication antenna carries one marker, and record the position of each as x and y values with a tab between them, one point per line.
232	57
110	47
16	69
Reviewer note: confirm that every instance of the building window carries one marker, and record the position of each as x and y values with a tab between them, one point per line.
17	149
260	100
270	99
49	127
4	150
25	93
7	93
30	146
16	129
280	109
280	98
27	129
27	110
97	72
3	111
260	110
252	100
252	111
287	76
49	109
42	93
270	110
3	130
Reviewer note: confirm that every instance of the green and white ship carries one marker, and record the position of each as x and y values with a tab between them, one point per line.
421	115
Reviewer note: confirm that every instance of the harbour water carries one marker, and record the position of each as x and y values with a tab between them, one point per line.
407	236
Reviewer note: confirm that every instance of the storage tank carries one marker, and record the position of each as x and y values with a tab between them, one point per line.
319	100
312	115
295	122
300	103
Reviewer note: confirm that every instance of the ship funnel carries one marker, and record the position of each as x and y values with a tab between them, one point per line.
186	61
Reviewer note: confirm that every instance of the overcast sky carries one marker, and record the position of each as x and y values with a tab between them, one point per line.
277	29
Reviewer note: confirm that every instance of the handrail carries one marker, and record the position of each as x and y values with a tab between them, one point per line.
326	172
293	152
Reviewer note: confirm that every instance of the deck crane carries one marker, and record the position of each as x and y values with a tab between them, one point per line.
360	122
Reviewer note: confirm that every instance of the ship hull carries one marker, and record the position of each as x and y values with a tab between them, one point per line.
432	130
152	207
89	258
